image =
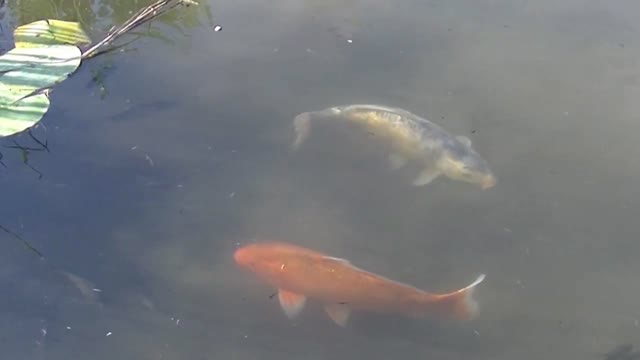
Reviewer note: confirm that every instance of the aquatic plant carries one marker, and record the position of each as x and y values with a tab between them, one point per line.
45	53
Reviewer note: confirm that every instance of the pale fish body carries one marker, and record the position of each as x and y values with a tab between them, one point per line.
410	138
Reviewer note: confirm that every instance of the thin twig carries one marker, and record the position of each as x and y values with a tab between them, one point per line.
24	242
44	145
25	155
114	48
142	16
23	148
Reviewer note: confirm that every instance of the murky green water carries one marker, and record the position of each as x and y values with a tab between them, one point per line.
149	187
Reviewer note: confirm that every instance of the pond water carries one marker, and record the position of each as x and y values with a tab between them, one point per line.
181	153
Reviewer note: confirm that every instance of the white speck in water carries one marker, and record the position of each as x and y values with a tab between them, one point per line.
246	336
109	333
148	159
232	195
507	230
68	327
97	290
179	185
217	28
476	332
178	322
134	147
44	332
350	41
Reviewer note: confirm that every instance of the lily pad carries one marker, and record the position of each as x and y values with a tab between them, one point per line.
24	71
49	32
22	114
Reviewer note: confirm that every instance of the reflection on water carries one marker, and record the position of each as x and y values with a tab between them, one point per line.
96	16
147	193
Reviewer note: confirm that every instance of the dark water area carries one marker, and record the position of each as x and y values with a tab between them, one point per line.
149	188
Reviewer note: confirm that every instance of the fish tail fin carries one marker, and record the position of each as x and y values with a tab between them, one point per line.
460	304
302	127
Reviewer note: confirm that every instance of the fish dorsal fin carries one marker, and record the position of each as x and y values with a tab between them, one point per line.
465	140
344	261
291	303
339	313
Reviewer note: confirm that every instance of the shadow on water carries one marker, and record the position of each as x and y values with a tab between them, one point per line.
430	334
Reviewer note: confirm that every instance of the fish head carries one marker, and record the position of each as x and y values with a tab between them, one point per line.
264	258
253	256
465	164
245	256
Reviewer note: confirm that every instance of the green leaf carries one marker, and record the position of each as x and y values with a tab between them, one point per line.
24	73
22	114
28	70
49	32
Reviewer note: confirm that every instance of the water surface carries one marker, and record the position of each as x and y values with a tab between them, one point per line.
148	189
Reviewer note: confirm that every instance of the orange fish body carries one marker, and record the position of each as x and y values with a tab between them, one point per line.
300	273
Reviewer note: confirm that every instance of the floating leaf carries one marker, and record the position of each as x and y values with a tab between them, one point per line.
24	73
28	70
22	114
49	32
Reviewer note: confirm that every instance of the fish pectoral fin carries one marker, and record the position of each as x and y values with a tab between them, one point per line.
397	161
426	176
302	127
465	140
339	313
291	303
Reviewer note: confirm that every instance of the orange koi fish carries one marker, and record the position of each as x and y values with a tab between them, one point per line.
300	273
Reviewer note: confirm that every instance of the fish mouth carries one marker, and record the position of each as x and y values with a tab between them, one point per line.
489	182
241	257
